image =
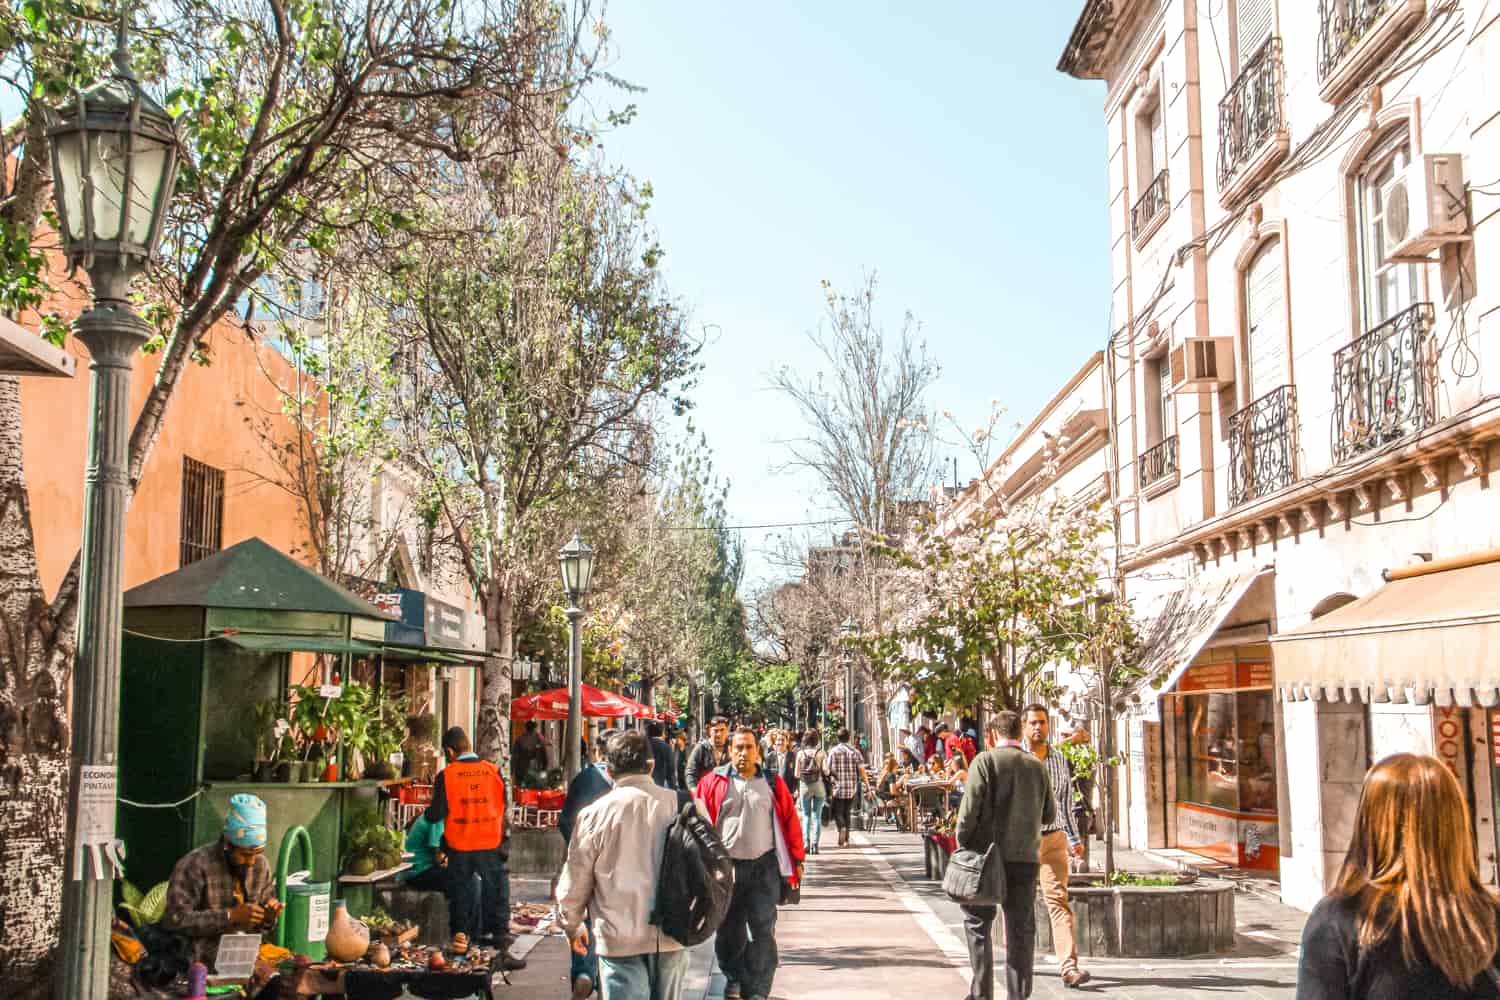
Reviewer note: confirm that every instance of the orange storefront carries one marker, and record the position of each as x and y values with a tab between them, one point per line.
1220	735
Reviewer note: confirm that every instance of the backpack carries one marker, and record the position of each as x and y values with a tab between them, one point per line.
807	766
697	880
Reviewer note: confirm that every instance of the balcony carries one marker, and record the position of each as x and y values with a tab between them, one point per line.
1150	209
1253	133
1382	384
1263	446
1354	34
1157	463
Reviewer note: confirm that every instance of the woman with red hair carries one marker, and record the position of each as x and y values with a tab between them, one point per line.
1409	916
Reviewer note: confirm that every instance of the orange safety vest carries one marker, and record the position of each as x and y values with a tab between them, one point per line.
476	805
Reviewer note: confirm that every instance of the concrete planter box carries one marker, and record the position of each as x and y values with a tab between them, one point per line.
1147	921
537	851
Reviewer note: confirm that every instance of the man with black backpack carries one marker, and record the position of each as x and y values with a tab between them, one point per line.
710	753
614	865
754	814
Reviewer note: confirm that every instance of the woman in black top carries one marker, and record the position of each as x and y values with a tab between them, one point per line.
1408	916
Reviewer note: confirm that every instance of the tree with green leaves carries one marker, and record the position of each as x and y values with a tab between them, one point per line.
304	122
535	333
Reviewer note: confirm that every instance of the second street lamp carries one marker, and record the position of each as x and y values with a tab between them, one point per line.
577	562
114	162
846	632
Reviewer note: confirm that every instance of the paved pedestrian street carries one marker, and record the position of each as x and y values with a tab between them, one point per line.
870	926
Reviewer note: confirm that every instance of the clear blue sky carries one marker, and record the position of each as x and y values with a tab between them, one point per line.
934	144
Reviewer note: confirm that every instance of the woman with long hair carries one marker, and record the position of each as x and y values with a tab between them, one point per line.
1408	916
811	766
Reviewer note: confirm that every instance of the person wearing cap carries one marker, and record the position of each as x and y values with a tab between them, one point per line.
468	797
226	886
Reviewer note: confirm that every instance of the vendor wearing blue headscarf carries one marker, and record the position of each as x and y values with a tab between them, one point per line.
225	886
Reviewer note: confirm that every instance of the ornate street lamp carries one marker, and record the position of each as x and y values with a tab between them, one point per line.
577	562
114	162
846	637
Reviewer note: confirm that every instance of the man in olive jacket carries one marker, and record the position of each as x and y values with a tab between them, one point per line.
1006	802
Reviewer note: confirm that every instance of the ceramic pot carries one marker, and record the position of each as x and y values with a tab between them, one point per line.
348	939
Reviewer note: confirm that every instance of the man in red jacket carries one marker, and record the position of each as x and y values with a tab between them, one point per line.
754	814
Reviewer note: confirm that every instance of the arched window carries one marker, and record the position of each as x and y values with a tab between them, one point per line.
1386	289
1265	320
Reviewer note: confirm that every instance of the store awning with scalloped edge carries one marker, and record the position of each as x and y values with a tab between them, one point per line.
1432	632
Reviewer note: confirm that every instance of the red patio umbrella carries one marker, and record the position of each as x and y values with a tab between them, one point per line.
597	704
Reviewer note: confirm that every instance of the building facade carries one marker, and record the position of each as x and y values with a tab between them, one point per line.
1304	378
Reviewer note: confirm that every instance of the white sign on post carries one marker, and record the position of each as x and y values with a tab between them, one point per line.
95	823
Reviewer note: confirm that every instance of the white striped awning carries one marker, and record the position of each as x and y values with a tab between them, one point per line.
1182	625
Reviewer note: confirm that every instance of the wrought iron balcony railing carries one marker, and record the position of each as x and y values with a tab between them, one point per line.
1157	462
1151	203
1382	384
1263	446
1252	112
1341	26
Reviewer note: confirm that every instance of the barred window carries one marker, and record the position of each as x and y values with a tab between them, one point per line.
202	511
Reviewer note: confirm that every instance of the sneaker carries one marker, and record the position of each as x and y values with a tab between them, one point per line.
1076	978
731	991
583	987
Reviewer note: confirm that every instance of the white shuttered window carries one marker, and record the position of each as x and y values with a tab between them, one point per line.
1254	20
1265	321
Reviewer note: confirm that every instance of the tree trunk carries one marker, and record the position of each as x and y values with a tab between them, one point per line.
492	730
35	653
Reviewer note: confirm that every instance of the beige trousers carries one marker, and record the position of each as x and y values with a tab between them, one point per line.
1054	885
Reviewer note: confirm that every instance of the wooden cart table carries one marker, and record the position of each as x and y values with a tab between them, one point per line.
363	982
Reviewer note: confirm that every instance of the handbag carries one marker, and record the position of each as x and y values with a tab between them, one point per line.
974	879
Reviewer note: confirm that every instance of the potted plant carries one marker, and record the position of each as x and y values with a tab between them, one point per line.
262	723
385	734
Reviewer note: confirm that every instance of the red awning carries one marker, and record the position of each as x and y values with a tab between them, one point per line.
597	704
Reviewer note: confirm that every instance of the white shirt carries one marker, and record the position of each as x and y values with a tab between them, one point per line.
746	818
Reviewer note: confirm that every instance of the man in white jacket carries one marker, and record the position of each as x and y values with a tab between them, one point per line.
614	860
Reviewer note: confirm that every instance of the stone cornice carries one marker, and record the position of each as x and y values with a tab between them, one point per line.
1081	59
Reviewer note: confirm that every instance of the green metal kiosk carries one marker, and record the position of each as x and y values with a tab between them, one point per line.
202	646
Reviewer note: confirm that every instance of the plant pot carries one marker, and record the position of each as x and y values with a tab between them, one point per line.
348	939
265	770
289	772
362	865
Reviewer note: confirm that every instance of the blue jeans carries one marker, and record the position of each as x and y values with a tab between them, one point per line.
657	976
585	965
812	820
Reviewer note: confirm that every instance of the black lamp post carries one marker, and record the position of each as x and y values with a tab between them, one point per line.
847	631
114	161
577	562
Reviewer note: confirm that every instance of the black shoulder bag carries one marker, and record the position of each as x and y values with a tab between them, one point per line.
973	878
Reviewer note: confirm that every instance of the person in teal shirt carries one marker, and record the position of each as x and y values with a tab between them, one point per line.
429	865
424	842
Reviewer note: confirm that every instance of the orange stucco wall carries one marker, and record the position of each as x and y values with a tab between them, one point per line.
213	418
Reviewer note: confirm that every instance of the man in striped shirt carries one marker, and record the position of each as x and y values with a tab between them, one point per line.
1059	841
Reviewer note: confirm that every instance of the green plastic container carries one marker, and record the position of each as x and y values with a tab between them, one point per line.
308	908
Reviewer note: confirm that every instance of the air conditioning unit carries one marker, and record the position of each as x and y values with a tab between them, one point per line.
1425	207
1200	363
